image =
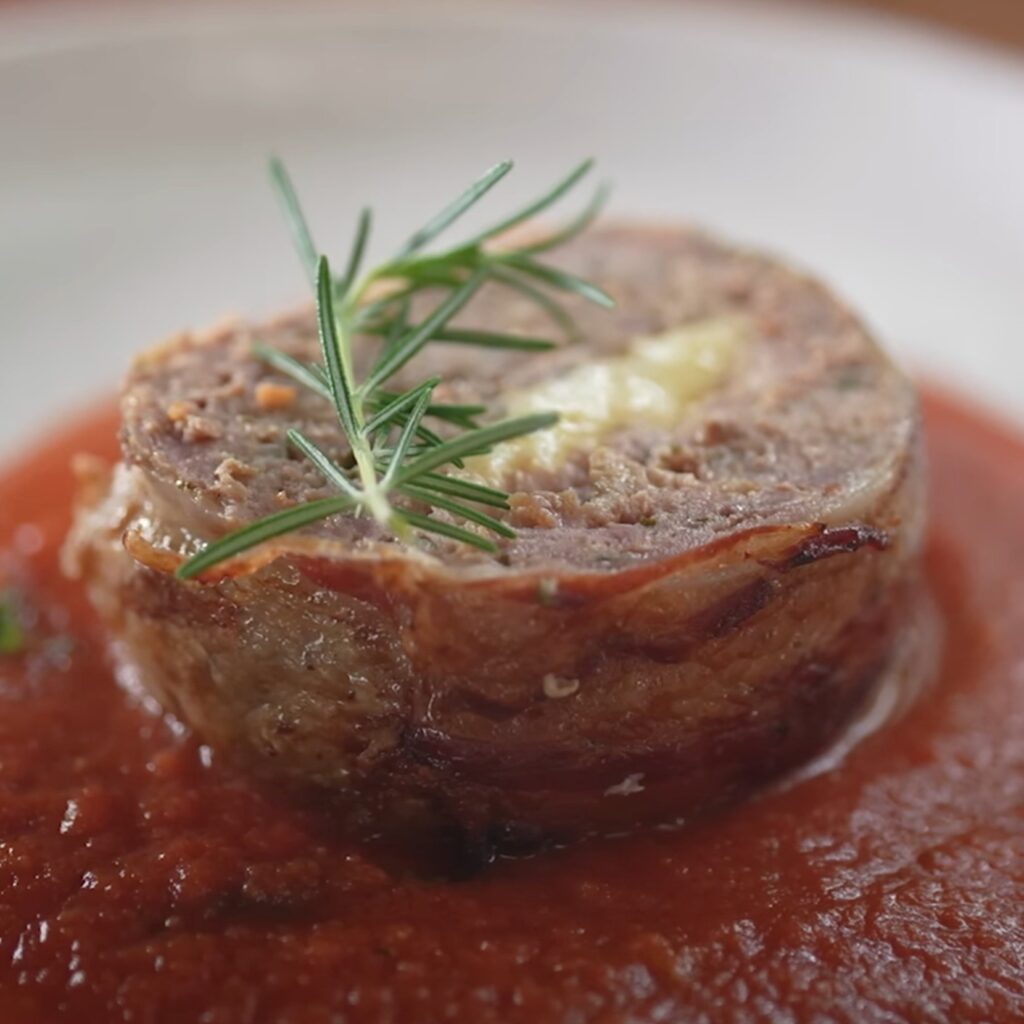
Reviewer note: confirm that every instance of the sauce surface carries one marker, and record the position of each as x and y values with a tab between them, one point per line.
141	880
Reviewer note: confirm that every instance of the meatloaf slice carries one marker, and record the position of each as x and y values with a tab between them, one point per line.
696	599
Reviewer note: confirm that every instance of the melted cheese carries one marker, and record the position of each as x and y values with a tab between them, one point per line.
649	384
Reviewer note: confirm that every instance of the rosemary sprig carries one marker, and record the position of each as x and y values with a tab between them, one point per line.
397	460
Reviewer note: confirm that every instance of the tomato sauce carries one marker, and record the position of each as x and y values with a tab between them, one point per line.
142	880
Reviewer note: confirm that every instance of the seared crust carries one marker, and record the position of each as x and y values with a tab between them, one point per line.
602	673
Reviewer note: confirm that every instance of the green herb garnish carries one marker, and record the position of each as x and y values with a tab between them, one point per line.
12	637
395	457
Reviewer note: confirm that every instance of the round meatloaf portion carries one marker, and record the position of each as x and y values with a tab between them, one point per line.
688	609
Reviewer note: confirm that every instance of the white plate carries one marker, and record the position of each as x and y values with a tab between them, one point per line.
132	141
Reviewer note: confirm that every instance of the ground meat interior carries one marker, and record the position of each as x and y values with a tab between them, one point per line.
809	408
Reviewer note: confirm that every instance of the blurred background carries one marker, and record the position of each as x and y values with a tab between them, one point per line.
998	21
879	143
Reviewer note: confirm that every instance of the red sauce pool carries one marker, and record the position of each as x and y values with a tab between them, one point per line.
142	881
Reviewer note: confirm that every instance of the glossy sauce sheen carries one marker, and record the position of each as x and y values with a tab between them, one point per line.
141	880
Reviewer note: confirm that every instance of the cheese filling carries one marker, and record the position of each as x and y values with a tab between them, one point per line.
650	384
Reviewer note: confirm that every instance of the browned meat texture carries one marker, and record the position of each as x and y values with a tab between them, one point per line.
809	408
685	611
